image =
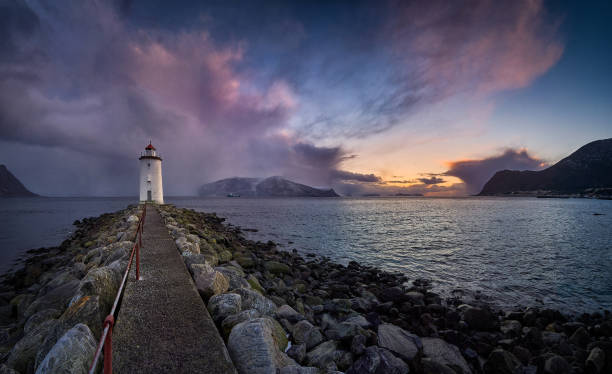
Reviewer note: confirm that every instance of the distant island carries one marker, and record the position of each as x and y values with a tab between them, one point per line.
10	186
586	173
262	187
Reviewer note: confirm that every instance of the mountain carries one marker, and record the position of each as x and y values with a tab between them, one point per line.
588	171
268	187
11	186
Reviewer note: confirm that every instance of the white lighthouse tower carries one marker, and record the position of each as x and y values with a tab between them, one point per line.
151	188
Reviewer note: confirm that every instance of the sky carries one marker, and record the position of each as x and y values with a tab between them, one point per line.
386	97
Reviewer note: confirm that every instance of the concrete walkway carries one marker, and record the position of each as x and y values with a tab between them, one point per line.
163	325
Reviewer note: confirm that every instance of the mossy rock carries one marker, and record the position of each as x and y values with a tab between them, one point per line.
254	283
313	300
279	335
225	256
88	244
244	260
276	267
300	287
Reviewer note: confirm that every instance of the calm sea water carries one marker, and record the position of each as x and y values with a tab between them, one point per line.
515	251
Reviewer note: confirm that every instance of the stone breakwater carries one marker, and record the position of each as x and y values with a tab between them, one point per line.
53	305
282	313
279	312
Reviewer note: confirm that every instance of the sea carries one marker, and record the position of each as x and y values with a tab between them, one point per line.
509	252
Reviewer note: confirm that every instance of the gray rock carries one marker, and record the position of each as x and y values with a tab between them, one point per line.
297	352
444	353
556	365
502	362
399	341
415	297
235	277
511	327
323	355
253	348
596	361
194	259
288	313
305	333
56	298
552	338
378	360
295	369
580	337
254	300
7	370
208	281
23	355
103	282
479	318
40	317
72	353
359	320
224	305
344	331
432	367
358	345
232	320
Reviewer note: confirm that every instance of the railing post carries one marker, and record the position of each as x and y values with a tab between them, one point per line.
137	262
108	345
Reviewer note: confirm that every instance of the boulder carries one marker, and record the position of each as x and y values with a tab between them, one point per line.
253	348
399	341
305	333
225	256
432	367
224	305
323	355
344	331
276	267
194	259
378	360
40	317
580	337
103	282
444	353
502	362
359	320
296	369
596	361
86	310
254	300
479	318
72	353
511	327
235	277
56	298
556	365
297	352
288	313
23	355
230	321
208	281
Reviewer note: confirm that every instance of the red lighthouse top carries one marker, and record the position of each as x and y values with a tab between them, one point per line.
150	147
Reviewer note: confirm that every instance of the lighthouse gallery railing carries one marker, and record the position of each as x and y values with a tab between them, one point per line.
106	340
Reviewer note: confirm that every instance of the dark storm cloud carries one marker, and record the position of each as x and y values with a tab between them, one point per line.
431	180
475	173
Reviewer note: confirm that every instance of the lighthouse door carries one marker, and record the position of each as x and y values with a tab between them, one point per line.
149	197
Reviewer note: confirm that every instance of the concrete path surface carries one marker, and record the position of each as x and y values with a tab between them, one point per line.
163	325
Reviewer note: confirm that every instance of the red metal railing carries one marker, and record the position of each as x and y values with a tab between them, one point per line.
106	340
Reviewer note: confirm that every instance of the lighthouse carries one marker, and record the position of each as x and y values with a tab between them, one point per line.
151	188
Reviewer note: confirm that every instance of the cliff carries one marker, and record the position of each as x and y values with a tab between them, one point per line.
10	186
586	171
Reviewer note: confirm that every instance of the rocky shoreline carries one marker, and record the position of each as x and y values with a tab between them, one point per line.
280	312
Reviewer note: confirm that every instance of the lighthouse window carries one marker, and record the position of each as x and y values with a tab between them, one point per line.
149	164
